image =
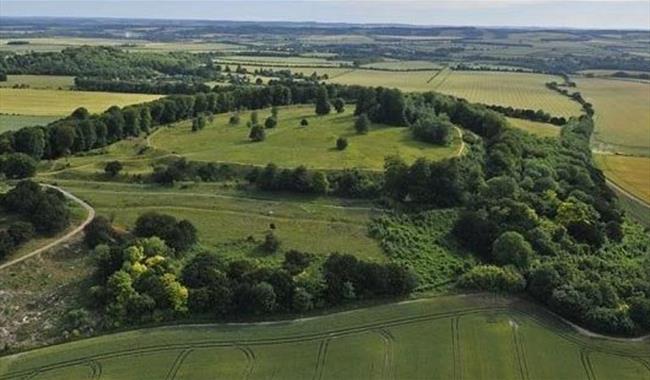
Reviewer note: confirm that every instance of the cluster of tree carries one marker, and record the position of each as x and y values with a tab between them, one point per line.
142	86
528	114
3	76
82	131
17	165
443	183
45	210
13	235
624	74
142	280
542	209
178	235
576	96
183	170
108	63
350	183
382	105
433	129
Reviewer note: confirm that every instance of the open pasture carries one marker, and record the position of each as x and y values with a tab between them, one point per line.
471	337
291	145
622	114
404	65
226	218
53	82
62	103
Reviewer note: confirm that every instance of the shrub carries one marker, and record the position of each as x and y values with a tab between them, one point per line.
17	166
257	134
20	232
271	242
512	249
270	122
339	105
493	278
113	168
362	124
341	143
433	129
304	122
234	119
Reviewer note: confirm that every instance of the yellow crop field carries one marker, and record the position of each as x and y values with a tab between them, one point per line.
628	172
622	114
54	102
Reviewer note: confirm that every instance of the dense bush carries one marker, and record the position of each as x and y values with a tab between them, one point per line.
493	278
45	210
179	235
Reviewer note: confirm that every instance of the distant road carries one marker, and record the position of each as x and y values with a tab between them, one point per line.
62	239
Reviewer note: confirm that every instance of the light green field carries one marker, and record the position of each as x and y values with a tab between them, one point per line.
291	145
456	337
39	81
225	218
622	114
54	102
536	128
13	122
630	173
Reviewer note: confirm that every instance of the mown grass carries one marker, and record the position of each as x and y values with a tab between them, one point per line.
13	122
235	222
630	173
61	103
536	128
291	145
467	337
622	114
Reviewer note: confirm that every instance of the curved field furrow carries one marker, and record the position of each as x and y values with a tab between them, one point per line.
388	344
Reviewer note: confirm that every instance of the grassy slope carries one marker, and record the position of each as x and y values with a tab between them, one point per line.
290	145
54	102
448	337
225	218
622	114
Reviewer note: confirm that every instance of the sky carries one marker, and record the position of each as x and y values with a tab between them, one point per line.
599	14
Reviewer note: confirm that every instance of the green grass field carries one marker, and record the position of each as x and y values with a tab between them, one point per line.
455	337
13	122
61	103
631	173
225	218
536	128
39	81
291	145
622	114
